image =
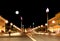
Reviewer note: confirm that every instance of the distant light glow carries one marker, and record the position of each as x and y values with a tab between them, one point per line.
41	25
38	26
30	25
11	24
17	12
25	30
46	24
6	21
53	21
51	29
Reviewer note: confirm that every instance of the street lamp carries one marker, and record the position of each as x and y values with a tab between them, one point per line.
21	21
17	12
33	24
47	11
11	25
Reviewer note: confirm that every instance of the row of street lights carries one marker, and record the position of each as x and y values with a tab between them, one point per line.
17	12
47	11
47	24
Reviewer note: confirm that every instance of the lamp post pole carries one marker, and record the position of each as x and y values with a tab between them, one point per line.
21	22
17	13
47	10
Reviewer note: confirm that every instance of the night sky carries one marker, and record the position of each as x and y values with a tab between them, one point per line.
31	11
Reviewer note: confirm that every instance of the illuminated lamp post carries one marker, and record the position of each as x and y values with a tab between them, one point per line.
17	12
47	11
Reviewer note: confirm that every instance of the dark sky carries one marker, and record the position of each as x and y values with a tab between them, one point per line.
31	11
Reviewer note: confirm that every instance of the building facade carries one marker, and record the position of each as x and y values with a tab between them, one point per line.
2	24
54	23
